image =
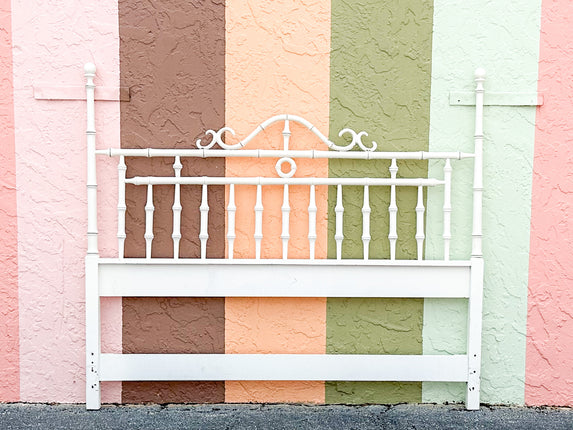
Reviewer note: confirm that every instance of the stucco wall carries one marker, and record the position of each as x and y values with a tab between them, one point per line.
384	68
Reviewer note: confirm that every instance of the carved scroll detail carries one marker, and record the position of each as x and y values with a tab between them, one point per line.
217	136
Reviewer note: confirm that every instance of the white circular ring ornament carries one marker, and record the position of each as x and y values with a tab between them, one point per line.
279	170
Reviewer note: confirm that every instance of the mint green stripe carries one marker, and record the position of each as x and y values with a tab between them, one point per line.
380	83
502	37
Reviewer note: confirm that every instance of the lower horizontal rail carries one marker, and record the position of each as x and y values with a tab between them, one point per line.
282	367
257	180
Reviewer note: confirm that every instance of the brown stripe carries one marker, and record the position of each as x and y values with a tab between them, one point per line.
172	58
176	326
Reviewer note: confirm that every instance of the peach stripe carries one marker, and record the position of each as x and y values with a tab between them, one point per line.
9	338
277	61
550	300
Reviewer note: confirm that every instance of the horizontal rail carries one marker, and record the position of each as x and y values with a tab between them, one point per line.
290	261
307	278
270	153
282	367
217	180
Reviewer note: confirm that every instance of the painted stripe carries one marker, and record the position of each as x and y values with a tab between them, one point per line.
9	336
50	172
550	321
277	62
172	59
507	49
380	83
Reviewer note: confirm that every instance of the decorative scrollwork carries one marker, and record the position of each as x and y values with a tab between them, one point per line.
217	138
356	140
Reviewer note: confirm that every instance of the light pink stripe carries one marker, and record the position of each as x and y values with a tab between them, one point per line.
9	337
550	301
51	45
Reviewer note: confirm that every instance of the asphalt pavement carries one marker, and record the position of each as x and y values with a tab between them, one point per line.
283	417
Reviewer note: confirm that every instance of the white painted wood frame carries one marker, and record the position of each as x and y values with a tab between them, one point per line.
284	277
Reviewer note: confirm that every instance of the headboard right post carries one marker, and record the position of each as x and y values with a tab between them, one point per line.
475	301
478	166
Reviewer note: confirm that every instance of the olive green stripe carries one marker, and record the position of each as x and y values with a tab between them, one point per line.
380	68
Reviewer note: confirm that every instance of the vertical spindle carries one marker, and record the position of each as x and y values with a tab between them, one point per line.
447	236
204	229
177	208
339	211
393	210
149	209
121	206
231	209
258	222
286	134
285	209
366	222
420	222
312	222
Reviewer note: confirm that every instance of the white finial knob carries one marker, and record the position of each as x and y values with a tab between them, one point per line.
480	74
89	69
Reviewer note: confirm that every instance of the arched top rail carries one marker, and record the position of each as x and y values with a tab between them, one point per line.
217	136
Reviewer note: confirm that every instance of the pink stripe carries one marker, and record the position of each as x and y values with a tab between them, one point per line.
53	43
9	339
550	301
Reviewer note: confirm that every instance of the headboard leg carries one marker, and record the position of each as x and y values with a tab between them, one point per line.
475	305
92	334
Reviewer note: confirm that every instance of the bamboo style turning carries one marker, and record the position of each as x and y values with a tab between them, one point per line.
285	277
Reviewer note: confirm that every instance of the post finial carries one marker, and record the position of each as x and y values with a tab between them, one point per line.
89	70
480	74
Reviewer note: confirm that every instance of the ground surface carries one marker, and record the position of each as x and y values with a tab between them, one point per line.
41	416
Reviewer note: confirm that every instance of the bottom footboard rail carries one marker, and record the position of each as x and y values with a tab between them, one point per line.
283	367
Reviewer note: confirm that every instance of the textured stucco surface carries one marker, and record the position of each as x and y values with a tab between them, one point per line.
549	378
9	344
380	83
277	62
278	326
503	38
174	326
277	59
172	59
51	44
374	326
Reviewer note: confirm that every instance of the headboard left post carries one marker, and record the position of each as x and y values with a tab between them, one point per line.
89	73
92	285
